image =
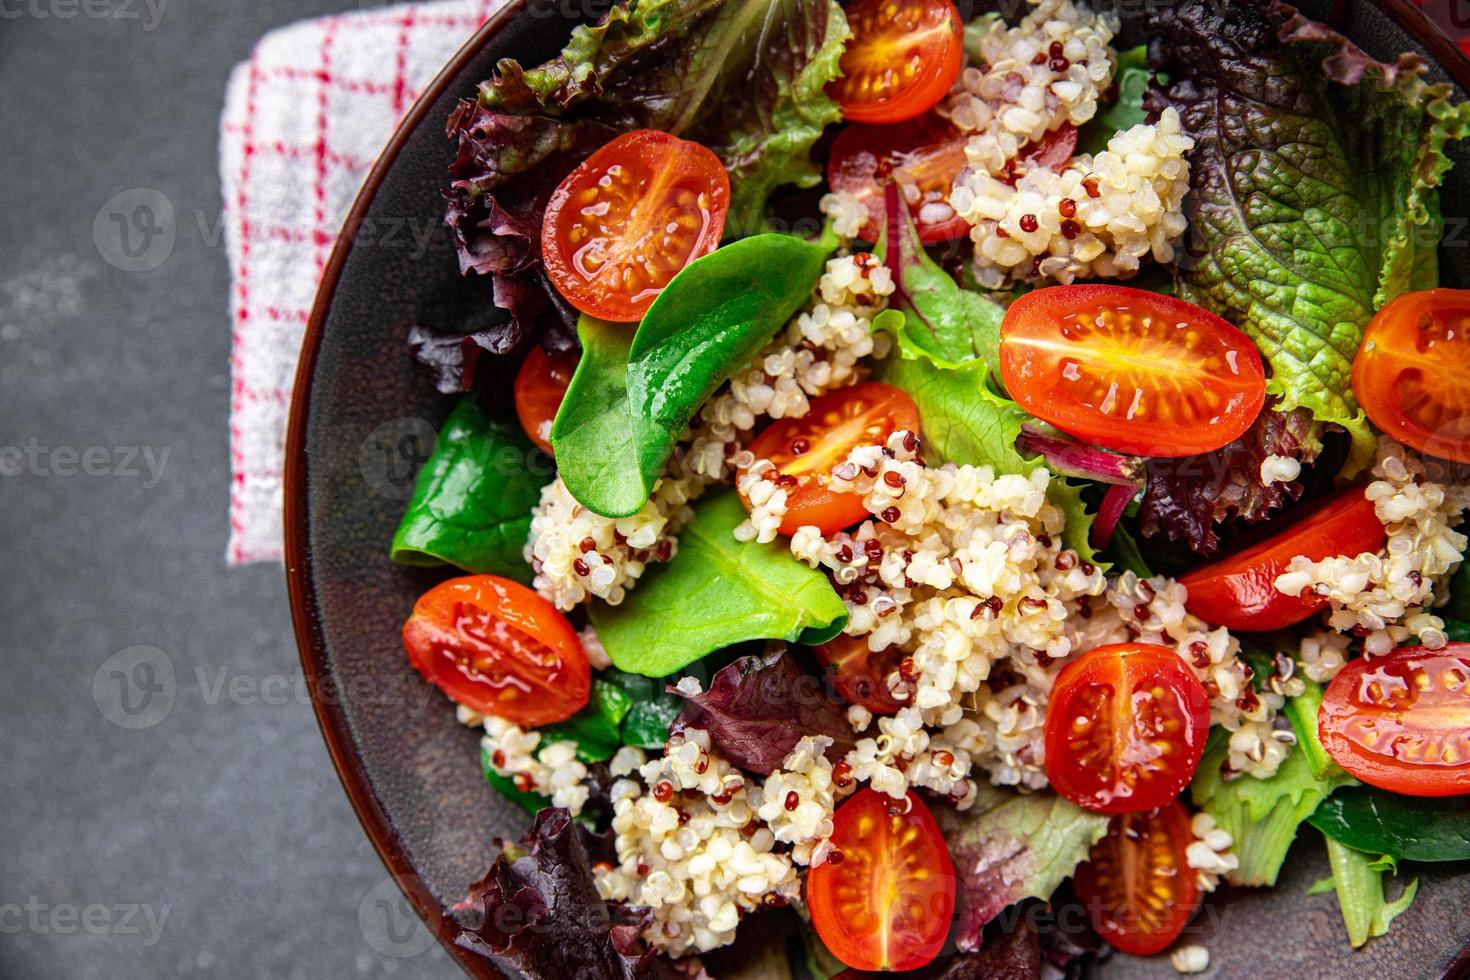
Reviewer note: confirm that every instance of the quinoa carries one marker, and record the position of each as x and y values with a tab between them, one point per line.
1385	596
1190	959
1209	853
552	770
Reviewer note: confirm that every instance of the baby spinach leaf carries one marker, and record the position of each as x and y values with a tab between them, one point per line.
1407	828
1458	605
597	728
627	406
1314	187
1126	111
940	318
472	500
651	708
592	434
716	591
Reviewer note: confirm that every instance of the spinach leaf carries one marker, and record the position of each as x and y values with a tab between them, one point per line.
506	787
745	77
651	708
597	728
1457	630
1458	606
592	434
1314	187
1011	846
1131	77
716	591
472	500
1358	880
627	407
1407	828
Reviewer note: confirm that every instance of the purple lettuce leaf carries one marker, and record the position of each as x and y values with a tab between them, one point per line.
1186	499
1012	954
1009	847
758	708
539	916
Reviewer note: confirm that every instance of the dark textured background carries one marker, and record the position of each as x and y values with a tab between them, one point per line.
227	811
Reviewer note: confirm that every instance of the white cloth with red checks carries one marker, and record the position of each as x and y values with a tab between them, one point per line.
304	120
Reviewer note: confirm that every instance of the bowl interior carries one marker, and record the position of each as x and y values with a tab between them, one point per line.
364	419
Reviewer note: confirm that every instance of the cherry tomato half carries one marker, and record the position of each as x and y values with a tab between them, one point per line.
806	449
1137	884
630	218
903	57
1401	722
495	646
1126	727
1410	375
927	153
1239	590
888	903
1131	370
859	674
541	384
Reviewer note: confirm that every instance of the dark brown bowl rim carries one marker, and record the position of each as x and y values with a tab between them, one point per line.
330	712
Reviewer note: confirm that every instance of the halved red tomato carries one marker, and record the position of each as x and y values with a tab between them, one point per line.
629	218
1410	375
806	449
1131	370
1137	884
903	57
1239	590
498	648
887	902
859	674
541	384
927	153
1401	722
1126	727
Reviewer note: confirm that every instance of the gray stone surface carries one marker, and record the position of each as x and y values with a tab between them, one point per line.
223	819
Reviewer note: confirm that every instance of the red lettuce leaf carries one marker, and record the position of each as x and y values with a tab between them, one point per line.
1013	954
539	916
758	708
1186	499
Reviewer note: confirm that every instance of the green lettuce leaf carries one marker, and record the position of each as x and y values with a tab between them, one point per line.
1358	880
472	500
635	391
745	77
1261	815
1314	187
715	592
1011	846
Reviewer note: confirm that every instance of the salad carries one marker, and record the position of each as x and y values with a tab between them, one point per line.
955	465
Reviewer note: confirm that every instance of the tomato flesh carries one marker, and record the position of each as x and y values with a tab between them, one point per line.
1239	590
927	154
1131	370
805	450
498	648
1137	884
887	904
1401	722
1410	375
903	57
1126	727
859	674
629	218
541	384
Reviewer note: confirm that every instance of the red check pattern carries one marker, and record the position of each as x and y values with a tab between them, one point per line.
304	120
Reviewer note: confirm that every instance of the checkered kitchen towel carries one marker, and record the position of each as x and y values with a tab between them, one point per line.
304	120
